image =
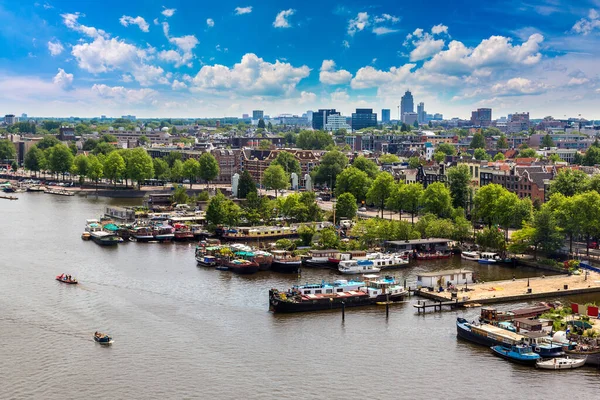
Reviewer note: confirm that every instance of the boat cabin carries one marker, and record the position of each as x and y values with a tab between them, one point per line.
533	325
258	232
444	278
338	286
489	256
430	245
324	253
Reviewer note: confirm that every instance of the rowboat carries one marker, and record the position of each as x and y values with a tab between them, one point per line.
103	338
65	279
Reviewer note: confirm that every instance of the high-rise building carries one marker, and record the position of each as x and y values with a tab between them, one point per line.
518	122
482	117
10	119
245	116
335	122
407	103
385	115
258	114
409	118
363	118
23	117
319	118
421	114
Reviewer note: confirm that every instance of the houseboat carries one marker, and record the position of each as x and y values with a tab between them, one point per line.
240	266
350	267
284	261
432	256
183	233
163	233
443	278
321	259
470	255
488	258
60	192
100	236
490	315
206	261
141	234
382	261
384	289
256	233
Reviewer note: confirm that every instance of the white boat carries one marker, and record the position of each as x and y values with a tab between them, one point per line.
384	289
386	260
470	255
351	267
561	363
488	258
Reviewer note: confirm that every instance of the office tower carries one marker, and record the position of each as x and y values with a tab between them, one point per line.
258	114
407	104
319	118
385	115
363	118
421	114
482	117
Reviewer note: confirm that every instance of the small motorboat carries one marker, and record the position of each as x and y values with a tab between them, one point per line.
64	278
520	354
561	363
103	338
86	236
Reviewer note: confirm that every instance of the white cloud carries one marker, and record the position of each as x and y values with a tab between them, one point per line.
63	80
185	44
127	78
382	30
210	22
71	22
168	12
178	85
329	76
139	21
148	75
243	10
55	48
307	97
426	47
438	29
156	21
346	44
576	81
518	87
103	55
368	77
340	95
251	76
359	23
386	18
124	95
281	20
585	26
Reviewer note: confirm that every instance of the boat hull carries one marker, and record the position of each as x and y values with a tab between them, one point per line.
557	364
106	240
485	261
507	354
243	270
592	358
465	333
278	306
285	266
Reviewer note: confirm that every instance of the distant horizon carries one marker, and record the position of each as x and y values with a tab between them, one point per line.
176	57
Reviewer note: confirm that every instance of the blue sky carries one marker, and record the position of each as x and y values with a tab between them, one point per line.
179	58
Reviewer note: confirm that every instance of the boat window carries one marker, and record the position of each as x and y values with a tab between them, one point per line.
329	291
340	290
307	292
318	291
464	276
452	277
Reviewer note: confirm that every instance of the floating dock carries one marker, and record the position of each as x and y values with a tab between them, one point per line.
513	290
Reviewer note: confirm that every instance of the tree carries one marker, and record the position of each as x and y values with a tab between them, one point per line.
261	124
499	157
414	162
569	182
345	207
388	159
332	164
94	169
328	238
554	158
34	159
547	236
7	150
275	178
366	165
209	167
547	141
411	195
592	156
566	215
527	153
353	180
314	140
177	171
47	142
459	179
502	143
60	159
306	233
172	157
447	149
103	148
109	138
114	167
143	140
246	185
161	169
191	170
481	154
288	162
492	131
436	199
478	141
492	239
222	211
180	195
439	156
380	190
139	165
73	148
485	203
270	127
587	214
264	144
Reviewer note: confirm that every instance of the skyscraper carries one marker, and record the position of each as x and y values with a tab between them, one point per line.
319	118
421	114
482	117
258	114
363	118
385	115
407	103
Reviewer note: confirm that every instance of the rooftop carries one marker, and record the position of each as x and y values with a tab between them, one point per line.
446	272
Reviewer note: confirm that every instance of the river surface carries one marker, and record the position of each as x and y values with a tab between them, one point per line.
187	332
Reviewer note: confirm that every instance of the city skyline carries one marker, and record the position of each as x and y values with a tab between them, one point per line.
174	59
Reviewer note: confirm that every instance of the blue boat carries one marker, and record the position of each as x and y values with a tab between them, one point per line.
520	354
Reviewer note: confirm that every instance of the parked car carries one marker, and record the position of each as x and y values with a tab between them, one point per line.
363	209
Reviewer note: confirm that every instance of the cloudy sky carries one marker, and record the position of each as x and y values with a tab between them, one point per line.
179	58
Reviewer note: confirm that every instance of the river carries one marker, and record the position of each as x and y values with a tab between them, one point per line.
187	332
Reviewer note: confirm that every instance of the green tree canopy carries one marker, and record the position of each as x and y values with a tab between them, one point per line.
332	164
328	238
114	167
177	171
447	149
459	179
94	169
439	156
191	170
499	157
346	206
47	142
222	211
81	164
547	141
481	154
592	156
502	143
314	140
139	165
478	141
209	167
353	180
527	153
261	124
436	199
414	162
246	185
34	159
388	158
366	165
380	190
569	182
264	144
161	169
275	178
60	159
288	162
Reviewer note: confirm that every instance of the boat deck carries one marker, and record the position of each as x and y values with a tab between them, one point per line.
319	296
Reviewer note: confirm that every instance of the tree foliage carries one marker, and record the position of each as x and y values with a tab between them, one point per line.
332	164
478	141
345	207
288	162
246	185
459	179
569	182
447	149
366	165
436	200
34	159
275	178
209	167
389	158
191	170
380	190
353	180
114	167
314	140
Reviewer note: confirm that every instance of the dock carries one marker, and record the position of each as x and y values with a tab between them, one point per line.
512	290
9	197
422	306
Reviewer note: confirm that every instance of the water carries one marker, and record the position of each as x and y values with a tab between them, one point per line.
186	332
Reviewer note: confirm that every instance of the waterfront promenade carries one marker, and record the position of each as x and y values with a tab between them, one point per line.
522	289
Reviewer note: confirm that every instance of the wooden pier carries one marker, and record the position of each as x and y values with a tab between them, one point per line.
422	306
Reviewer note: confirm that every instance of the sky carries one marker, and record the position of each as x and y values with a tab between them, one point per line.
180	58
